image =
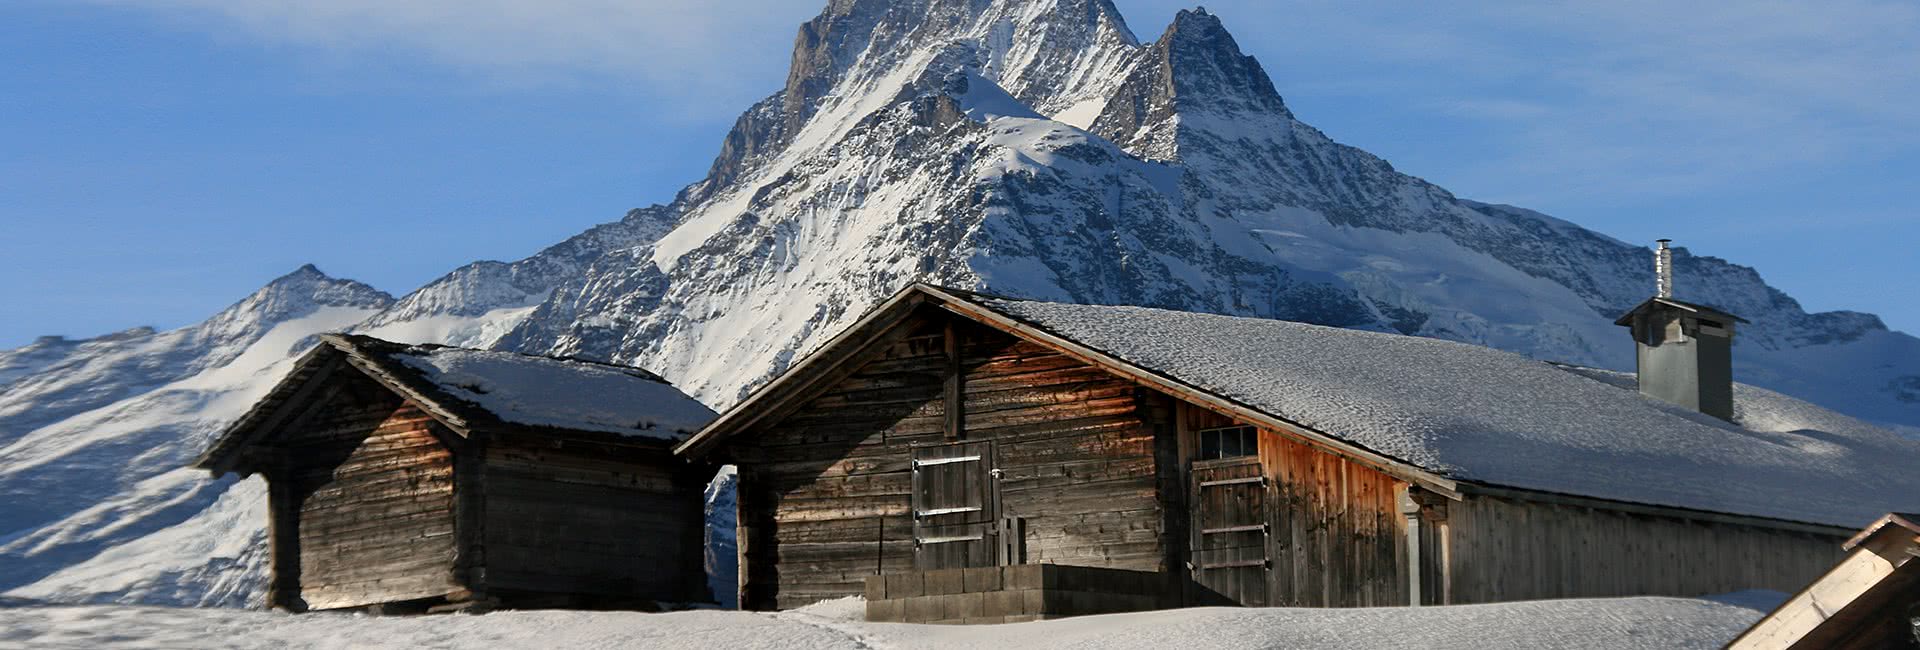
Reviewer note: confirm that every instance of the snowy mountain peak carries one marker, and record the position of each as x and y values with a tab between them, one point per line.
1210	71
287	297
1195	70
1058	57
309	282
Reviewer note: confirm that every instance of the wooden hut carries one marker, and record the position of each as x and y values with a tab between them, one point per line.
1869	601
960	457
410	478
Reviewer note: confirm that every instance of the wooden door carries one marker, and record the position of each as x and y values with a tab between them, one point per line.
1230	530
955	503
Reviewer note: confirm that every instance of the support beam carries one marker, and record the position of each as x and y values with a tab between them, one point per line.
1428	576
283	541
955	383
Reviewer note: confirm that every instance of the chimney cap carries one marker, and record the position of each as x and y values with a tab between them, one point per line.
1658	303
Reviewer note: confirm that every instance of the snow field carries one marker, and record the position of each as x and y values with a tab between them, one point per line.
1622	624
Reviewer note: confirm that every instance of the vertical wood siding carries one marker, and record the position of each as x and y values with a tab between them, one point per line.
1337	538
1506	549
374	491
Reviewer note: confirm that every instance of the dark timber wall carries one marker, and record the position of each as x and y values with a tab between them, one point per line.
365	501
826	490
594	523
374	503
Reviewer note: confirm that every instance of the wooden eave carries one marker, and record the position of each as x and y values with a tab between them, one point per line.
796	380
1226	406
379	371
308	374
1673	512
1879	565
336	350
1891	521
226	447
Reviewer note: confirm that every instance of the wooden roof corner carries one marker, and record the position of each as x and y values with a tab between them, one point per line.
312	371
1893	521
811	368
307	374
1848	605
976	306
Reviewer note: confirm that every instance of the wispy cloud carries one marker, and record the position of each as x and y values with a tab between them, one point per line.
1604	97
1581	97
695	51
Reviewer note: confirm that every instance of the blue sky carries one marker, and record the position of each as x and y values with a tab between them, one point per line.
159	159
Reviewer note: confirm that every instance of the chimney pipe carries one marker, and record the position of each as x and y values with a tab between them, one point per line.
1663	269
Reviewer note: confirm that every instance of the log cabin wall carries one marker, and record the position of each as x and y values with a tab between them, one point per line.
1337	538
1512	549
364	505
580	524
825	495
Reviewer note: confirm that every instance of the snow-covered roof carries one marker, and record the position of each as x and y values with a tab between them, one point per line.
467	389
555	392
1481	415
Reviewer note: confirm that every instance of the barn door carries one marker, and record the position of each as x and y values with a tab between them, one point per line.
955	496
1230	529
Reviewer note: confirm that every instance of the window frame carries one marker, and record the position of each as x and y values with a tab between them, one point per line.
1211	444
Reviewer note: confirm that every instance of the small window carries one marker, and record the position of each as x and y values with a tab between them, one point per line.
1228	442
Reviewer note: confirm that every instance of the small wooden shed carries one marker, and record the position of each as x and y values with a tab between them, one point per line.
1159	458
413	478
1869	601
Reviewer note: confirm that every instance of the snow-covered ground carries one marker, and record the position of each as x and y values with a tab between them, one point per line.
1620	623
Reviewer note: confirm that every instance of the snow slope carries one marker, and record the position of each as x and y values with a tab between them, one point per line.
1614	624
111	475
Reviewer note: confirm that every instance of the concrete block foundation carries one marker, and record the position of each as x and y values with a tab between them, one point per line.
1011	594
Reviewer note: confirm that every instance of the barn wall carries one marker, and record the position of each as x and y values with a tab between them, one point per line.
825	490
1339	539
1508	549
371	487
1337	536
597	523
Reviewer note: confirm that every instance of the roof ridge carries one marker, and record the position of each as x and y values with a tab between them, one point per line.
363	339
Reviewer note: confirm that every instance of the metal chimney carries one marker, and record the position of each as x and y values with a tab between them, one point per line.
1663	269
1685	350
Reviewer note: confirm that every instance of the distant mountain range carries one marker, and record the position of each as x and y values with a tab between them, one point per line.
1031	148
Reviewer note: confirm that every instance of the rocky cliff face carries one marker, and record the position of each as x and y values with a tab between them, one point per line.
1036	148
1023	147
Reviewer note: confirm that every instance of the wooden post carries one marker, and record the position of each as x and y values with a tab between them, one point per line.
1181	543
1426	514
1410	508
955	384
469	515
283	541
743	509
